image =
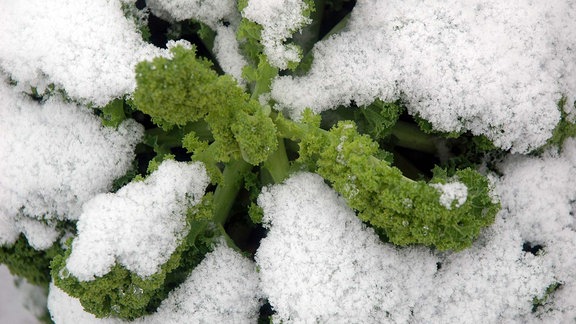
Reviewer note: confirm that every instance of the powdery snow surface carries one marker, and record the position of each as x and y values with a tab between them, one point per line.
141	225
223	288
538	196
86	47
221	16
492	67
212	13
54	157
279	20
320	263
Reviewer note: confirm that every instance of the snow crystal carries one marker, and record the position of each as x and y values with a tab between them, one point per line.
454	192
86	47
55	156
538	195
222	16
212	13
227	52
279	20
492	67
139	226
494	281
319	263
223	288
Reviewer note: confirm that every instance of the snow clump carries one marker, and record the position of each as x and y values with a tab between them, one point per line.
496	68
86	47
139	226
223	288
55	157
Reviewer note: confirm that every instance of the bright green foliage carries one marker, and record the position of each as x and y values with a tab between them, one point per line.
126	295
178	90
184	89
261	77
249	35
113	113
24	261
408	211
378	118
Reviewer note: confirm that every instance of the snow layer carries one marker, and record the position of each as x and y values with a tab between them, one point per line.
54	157
319	263
492	67
223	288
221	15
279	20
538	196
141	225
86	47
212	13
452	193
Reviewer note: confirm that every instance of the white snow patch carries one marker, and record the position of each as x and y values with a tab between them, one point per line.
54	156
319	263
223	288
496	68
140	226
212	13
86	47
279	20
227	52
453	192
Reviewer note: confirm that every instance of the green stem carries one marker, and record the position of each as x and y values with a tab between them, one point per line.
410	136
277	164
227	190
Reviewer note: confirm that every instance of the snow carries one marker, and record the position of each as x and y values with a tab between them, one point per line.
55	157
227	51
221	16
319	263
496	68
86	47
279	20
538	196
141	225
452	193
212	13
223	288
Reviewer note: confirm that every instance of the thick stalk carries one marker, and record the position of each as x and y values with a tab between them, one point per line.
277	164
228	188
410	136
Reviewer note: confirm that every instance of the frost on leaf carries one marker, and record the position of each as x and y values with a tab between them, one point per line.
86	47
223	288
279	20
452	194
492	67
55	156
319	263
139	226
